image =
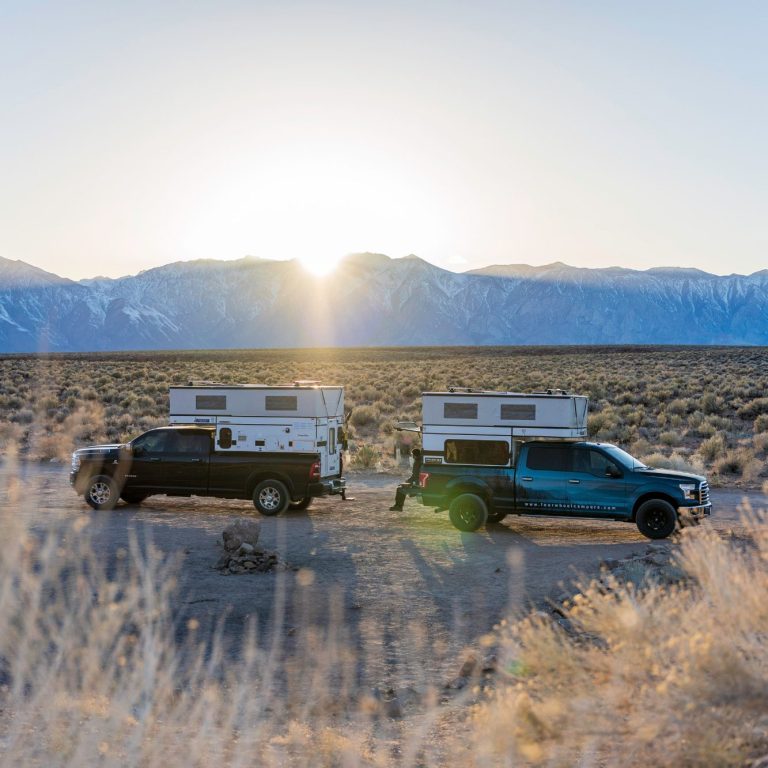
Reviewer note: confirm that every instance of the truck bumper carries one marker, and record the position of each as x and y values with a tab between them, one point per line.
695	513
73	477
331	487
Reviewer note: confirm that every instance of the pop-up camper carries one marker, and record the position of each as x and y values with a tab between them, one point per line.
300	417
466	417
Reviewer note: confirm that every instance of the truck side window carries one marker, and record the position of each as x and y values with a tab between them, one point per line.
332	440
194	443
488	452
594	463
552	458
161	441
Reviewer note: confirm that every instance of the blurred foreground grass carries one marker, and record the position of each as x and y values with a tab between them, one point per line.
94	670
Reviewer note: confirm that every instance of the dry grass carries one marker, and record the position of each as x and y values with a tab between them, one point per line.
696	407
666	676
95	671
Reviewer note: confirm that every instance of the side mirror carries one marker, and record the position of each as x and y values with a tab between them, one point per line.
613	472
137	451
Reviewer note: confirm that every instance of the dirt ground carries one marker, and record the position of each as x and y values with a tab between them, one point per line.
408	590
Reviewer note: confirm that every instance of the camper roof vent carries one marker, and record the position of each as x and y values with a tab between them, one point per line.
199	383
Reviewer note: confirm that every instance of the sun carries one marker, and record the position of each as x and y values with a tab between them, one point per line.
320	264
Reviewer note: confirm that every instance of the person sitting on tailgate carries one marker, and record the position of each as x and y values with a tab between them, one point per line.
410	486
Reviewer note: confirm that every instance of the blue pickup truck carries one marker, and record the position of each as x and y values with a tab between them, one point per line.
481	481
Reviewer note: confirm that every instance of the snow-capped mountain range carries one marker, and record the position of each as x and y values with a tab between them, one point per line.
371	299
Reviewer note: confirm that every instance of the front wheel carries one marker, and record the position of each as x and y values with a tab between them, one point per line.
102	492
468	512
656	519
301	503
270	497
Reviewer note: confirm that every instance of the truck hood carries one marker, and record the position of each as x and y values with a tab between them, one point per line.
108	449
671	474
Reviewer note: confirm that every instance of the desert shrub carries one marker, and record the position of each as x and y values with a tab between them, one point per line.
711	403
670	438
760	442
364	415
675	461
732	463
761	423
678	406
366	457
705	429
756	407
713	447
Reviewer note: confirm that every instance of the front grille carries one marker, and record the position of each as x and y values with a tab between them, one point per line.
704	493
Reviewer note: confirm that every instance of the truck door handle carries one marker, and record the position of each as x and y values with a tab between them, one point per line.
527	479
575	482
195	461
153	458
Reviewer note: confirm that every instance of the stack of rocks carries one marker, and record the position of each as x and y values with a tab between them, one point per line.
242	554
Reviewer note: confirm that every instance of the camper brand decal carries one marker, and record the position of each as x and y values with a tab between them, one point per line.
560	505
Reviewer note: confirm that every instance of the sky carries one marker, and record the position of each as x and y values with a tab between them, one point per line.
467	133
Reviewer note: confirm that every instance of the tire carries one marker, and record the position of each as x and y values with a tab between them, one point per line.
468	512
301	503
495	516
656	519
270	497
133	498
101	492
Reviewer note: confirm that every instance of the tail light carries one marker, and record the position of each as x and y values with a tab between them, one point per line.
423	477
314	471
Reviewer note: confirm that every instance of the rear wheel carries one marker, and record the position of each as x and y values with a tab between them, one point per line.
270	497
102	492
468	512
656	519
301	503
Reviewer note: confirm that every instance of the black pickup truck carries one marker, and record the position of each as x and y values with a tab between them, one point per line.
181	461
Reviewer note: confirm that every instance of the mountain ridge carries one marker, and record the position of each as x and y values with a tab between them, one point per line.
372	300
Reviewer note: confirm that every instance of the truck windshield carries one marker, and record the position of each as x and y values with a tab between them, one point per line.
623	457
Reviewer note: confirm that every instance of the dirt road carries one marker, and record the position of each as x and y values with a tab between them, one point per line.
413	590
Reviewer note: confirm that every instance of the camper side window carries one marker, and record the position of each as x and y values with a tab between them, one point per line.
494	452
225	437
331	440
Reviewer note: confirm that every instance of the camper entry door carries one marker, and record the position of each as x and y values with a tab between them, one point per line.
329	458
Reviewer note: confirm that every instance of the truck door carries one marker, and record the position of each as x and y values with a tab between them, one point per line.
185	465
333	450
541	480
146	474
168	460
596	485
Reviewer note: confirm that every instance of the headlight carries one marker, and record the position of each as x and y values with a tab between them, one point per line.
75	462
689	491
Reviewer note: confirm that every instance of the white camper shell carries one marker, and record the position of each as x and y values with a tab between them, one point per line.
299	417
457	423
